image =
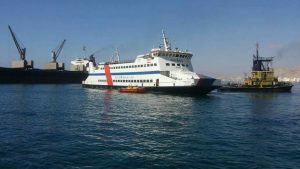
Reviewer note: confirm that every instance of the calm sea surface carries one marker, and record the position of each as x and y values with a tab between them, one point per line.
66	126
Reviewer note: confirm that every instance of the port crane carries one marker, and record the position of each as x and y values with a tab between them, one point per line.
55	52
21	49
53	65
22	63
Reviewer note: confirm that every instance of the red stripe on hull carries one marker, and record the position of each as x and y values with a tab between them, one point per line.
108	75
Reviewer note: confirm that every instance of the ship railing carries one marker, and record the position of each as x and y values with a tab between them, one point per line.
264	70
123	61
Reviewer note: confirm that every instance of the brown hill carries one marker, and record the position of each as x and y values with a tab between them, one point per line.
289	72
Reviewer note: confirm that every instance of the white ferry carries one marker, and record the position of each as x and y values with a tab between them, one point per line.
161	70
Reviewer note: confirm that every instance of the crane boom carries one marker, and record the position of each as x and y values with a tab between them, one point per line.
22	51
56	53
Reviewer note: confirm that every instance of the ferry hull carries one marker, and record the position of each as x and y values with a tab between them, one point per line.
192	90
203	86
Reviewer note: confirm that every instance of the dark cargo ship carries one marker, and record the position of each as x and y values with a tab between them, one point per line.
262	78
23	71
40	76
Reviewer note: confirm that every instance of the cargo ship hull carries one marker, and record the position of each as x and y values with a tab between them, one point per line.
39	76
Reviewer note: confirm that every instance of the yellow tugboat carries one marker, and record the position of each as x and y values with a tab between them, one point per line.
262	78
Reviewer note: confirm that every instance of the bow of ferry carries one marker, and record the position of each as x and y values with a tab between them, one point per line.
160	70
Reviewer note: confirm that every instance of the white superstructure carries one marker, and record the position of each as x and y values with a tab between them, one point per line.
161	67
79	64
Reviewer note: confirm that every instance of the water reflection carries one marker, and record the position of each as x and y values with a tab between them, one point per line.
265	96
107	99
103	128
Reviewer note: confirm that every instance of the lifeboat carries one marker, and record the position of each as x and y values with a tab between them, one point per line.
132	89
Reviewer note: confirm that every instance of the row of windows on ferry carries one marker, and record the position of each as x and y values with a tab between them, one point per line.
172	55
130	81
131	66
173	64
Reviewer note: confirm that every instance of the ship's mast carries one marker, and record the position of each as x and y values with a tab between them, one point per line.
84	51
115	57
261	63
257	47
167	44
118	55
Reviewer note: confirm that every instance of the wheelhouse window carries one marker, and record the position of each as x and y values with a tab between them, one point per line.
167	64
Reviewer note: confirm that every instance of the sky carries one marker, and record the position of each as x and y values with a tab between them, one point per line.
220	33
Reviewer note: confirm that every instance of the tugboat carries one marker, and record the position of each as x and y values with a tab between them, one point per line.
262	78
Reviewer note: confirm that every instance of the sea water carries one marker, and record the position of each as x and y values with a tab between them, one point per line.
67	126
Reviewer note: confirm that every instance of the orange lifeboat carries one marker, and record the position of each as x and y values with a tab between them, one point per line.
132	89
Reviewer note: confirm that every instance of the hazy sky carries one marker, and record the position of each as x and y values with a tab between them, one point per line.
220	33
